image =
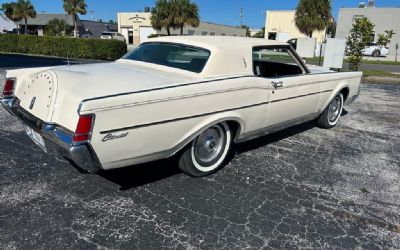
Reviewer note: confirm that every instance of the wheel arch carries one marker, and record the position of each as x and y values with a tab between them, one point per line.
345	91
344	88
234	122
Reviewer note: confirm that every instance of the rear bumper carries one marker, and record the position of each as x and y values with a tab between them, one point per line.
58	140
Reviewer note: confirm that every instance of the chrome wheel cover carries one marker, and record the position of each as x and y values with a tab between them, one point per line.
335	109
209	146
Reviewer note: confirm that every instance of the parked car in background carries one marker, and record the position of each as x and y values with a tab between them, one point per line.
189	97
375	50
112	35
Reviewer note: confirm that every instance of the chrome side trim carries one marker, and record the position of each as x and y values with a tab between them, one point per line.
203	114
161	88
180	118
178	98
275	128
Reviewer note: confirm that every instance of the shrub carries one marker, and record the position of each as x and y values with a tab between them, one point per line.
63	46
359	37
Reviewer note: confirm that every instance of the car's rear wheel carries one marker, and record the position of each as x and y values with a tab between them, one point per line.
330	117
207	152
376	53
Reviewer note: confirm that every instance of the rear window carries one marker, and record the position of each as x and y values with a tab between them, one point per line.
178	56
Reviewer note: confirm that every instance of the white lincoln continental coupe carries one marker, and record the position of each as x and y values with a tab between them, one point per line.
189	97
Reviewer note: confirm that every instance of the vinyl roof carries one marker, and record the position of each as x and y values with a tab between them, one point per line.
217	42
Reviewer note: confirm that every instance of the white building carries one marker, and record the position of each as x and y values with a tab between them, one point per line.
6	24
280	25
136	27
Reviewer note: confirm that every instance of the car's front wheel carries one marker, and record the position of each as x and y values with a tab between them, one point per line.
207	152
376	53
330	117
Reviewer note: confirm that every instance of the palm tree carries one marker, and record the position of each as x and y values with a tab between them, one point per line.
9	10
186	13
312	15
74	7
162	16
56	27
24	10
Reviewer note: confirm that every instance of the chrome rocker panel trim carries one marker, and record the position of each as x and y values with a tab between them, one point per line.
58	140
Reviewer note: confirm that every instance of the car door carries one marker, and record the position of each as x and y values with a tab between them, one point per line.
295	92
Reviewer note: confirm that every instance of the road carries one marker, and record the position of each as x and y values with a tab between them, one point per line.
301	188
15	61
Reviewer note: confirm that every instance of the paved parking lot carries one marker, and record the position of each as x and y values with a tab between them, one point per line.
301	188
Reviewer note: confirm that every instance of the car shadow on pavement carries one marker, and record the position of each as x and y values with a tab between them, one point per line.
138	175
273	137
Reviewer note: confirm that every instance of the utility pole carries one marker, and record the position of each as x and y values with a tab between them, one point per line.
241	17
91	14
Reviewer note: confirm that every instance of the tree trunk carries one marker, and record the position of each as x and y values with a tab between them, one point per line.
18	27
168	31
181	30
75	25
26	26
310	35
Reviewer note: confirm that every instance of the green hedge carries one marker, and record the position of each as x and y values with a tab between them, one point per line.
63	46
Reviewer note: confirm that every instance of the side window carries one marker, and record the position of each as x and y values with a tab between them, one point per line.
275	62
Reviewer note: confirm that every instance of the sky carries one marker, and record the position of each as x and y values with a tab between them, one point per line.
216	11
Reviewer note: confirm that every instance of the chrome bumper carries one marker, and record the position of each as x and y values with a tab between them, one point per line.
58	140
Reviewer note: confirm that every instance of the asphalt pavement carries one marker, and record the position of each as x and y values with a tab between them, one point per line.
304	187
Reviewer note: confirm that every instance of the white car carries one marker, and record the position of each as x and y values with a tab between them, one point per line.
112	35
375	50
190	97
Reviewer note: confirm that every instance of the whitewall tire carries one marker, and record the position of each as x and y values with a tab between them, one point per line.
207	152
331	115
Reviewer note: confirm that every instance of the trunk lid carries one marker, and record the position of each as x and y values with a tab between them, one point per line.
37	93
54	94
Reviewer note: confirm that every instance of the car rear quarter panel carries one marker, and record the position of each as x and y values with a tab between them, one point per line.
337	82
160	122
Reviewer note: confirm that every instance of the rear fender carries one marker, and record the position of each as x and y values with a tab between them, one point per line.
206	123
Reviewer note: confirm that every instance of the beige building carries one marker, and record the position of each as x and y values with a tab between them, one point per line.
280	25
136	27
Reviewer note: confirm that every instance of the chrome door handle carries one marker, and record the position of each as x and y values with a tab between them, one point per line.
277	84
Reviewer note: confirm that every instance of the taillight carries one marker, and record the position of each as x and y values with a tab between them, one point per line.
9	87
84	128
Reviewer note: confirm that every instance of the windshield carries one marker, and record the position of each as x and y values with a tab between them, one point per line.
172	55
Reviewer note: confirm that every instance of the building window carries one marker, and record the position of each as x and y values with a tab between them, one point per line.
272	36
204	33
191	32
373	37
212	34
356	17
